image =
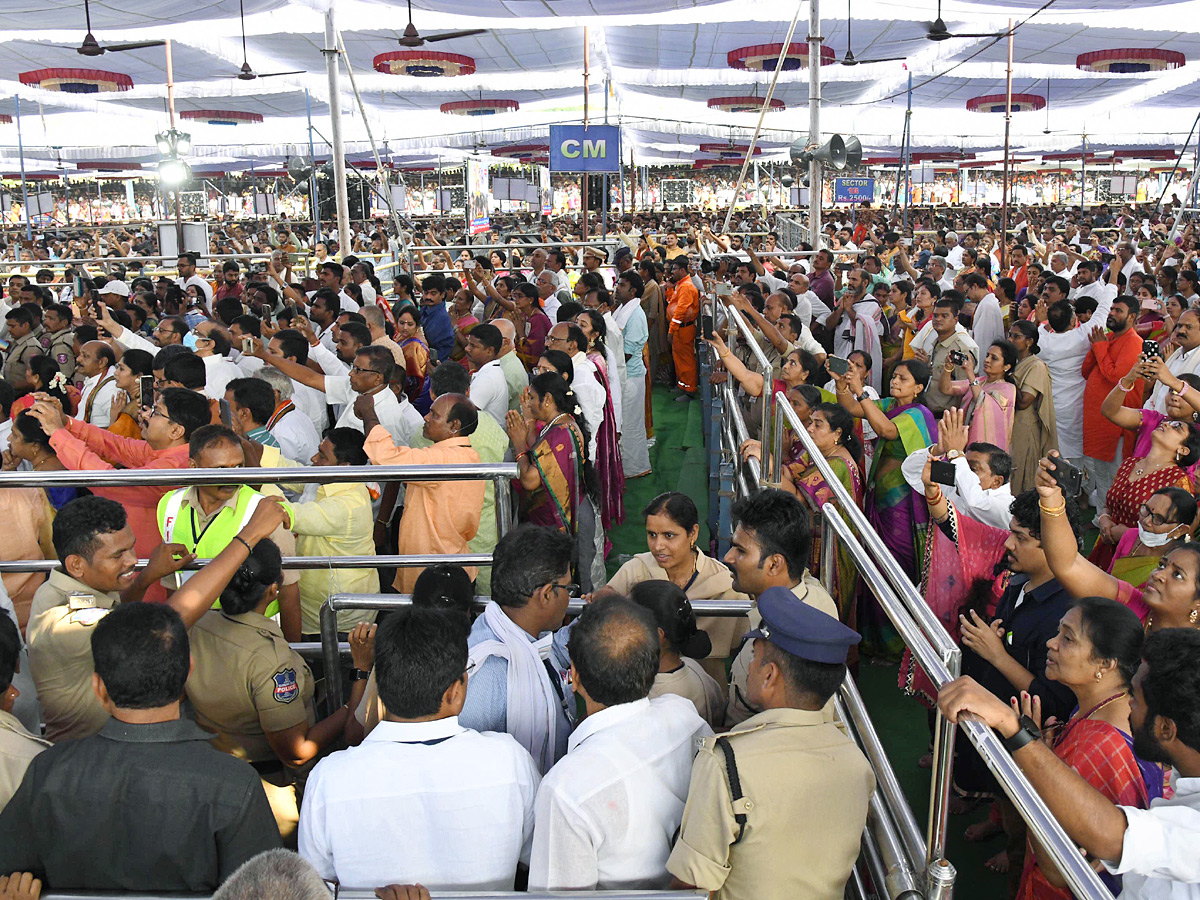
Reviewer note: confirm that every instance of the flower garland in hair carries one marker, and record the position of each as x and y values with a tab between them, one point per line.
58	382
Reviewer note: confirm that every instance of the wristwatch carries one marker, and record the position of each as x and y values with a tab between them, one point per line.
952	455
861	397
1026	733
359	675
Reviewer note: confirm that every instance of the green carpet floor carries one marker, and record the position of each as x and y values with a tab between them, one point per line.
678	462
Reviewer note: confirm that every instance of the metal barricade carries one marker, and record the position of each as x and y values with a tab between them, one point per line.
937	654
351	894
330	608
500	474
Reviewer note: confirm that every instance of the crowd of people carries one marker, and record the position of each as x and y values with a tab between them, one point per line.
972	390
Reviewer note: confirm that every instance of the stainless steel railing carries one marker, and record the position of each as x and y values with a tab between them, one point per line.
498	473
345	894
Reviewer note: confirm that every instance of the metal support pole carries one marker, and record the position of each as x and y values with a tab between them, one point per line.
335	133
1083	176
906	162
24	184
814	122
1007	134
504	511
313	201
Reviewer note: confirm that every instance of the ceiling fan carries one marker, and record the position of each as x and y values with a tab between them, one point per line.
247	73
412	38
937	30
850	59
92	47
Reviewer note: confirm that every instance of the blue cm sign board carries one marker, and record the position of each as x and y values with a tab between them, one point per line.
853	190
574	148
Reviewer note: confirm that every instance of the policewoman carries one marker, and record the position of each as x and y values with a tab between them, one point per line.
253	691
777	806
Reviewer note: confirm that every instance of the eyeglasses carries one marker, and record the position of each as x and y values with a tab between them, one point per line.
571	589
1153	518
361	371
542	370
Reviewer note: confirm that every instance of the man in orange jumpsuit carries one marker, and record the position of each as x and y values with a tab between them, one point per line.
683	306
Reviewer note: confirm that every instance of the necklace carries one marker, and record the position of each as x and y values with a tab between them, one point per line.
1140	468
45	459
1091	712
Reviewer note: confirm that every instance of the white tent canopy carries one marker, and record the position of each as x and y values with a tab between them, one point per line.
663	60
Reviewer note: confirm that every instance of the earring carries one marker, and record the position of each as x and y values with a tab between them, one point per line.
1193	615
1099	675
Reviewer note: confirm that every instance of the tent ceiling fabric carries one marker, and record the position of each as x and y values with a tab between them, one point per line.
662	60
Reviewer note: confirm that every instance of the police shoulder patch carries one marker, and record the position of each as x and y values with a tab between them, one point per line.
62	358
287	687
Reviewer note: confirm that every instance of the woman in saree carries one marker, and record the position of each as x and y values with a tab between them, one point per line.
43	376
609	468
416	359
904	425
534	324
557	487
127	404
672	533
1182	405
1174	447
658	365
1034	430
463	321
803	399
1096	652
1170	597
832	429
1164	520
1151	325
993	403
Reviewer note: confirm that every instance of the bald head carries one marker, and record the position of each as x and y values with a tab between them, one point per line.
508	331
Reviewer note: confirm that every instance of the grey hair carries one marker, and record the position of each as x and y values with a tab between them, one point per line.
372	315
1060	256
274	875
277	380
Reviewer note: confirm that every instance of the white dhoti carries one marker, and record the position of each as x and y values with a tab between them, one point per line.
635	452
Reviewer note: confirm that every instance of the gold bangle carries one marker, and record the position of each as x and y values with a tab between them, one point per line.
1055	511
936	497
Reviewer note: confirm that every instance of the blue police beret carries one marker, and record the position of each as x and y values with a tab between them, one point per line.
801	629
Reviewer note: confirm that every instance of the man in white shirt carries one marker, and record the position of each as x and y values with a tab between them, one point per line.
358	274
954	255
1153	850
939	270
606	814
330	277
981	471
96	362
188	277
298	438
1064	346
292	346
987	326
212	346
1127	260
547	286
422	799
584	383
371	374
556	262
856	323
1184	362
323	312
489	388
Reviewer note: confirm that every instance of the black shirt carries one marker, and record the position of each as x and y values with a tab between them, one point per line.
1026	629
136	808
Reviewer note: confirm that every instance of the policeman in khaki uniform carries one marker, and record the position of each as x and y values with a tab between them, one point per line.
776	807
25	346
61	346
253	691
17	746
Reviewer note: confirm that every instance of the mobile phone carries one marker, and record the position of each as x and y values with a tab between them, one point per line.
845	266
146	389
706	326
957	357
942	472
721	289
247	345
1151	348
1069	478
837	365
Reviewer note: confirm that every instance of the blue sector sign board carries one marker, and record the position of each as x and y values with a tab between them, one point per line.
853	190
574	148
